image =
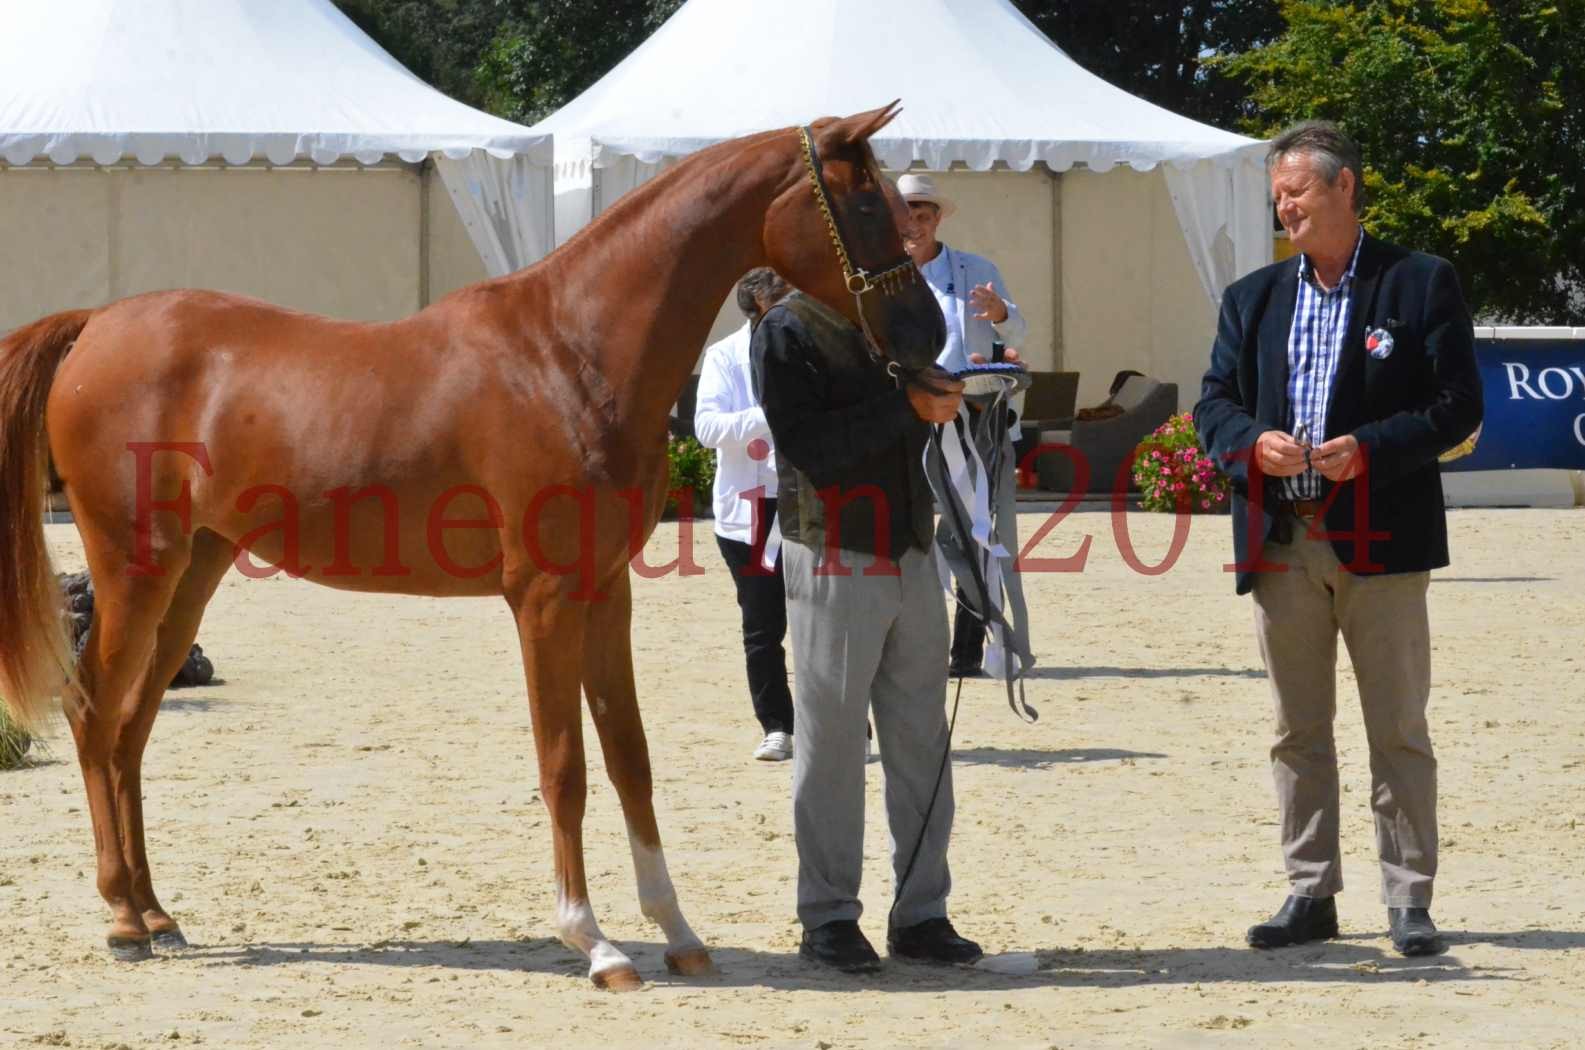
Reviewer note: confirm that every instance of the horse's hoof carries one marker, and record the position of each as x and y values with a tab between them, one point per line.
128	950
618	979
170	941
691	962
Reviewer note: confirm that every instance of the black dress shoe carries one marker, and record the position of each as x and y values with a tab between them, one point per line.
1413	932
966	671
1298	921
933	940
840	945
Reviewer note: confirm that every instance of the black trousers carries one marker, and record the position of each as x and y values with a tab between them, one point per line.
763	602
968	638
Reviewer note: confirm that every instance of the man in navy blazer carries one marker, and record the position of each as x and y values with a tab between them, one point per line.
1337	378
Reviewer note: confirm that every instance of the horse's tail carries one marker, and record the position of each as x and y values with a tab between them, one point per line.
35	660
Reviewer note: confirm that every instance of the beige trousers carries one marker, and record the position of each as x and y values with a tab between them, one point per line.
1383	621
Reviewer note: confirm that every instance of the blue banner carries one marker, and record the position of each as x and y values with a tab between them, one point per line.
1535	405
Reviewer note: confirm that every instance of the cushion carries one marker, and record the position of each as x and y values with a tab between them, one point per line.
1134	391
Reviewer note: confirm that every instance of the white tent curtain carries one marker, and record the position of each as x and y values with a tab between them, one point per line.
616	175
589	179
1226	219
505	205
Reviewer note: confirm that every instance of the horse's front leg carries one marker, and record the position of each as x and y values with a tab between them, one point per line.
613	701
552	631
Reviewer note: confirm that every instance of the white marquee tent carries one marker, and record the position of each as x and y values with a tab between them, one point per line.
265	146
1109	266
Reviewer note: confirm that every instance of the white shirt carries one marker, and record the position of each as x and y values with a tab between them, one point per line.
951	275
1315	346
728	419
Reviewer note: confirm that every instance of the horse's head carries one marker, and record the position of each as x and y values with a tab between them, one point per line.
836	234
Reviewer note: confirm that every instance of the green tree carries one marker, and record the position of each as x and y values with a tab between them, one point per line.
1471	115
1158	49
440	41
548	51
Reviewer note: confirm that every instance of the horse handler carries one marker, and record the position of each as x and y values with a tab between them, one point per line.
868	627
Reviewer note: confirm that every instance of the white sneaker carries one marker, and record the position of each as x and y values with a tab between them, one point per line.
776	747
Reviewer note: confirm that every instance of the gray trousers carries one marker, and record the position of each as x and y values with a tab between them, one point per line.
1383	621
863	643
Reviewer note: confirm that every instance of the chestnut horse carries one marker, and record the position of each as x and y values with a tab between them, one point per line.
507	440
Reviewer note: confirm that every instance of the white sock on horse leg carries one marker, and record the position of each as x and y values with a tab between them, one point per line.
657	897
576	926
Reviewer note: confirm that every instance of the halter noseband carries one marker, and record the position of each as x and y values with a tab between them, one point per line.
860	282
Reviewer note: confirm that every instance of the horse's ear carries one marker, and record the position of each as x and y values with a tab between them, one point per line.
860	126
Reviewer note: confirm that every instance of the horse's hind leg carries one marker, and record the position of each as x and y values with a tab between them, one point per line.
613	701
211	558
122	687
551	628
110	723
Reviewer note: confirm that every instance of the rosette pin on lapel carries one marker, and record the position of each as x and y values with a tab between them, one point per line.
1379	343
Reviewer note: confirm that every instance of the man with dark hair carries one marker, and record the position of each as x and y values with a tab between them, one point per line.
1337	378
759	290
729	419
868	627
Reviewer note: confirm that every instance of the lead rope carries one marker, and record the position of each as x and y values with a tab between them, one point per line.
1026	712
924	826
988	613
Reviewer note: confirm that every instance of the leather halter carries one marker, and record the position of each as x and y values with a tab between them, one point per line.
860	282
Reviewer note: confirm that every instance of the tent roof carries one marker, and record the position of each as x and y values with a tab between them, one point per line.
979	84
280	80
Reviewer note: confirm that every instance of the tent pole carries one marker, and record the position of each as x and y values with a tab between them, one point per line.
113	199
1057	340
425	172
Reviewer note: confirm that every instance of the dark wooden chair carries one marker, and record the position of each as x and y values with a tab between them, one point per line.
1049	404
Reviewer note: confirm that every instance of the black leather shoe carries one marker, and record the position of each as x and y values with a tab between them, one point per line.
1413	932
840	945
1298	921
966	671
933	940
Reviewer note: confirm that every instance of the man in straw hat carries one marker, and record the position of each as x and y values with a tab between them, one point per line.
978	313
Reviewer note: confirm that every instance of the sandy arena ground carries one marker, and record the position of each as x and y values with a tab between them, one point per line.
349	830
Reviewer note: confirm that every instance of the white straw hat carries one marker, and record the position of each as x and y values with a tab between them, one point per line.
923	188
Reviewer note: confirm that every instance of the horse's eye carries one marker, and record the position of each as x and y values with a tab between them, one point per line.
866	209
